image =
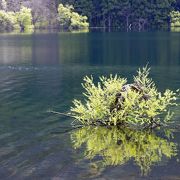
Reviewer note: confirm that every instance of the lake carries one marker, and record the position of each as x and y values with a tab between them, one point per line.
44	71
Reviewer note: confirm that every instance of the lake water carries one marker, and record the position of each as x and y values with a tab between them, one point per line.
44	71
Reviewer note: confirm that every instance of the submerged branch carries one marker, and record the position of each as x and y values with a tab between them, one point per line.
59	113
67	130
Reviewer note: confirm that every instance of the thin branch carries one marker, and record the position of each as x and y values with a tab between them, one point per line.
59	113
67	130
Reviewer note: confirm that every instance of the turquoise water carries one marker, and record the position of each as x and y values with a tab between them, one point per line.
44	71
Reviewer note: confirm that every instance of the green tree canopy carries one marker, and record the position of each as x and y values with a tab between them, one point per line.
71	20
175	19
21	20
24	17
8	21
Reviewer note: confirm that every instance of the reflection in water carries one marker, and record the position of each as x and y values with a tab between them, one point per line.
115	48
118	146
80	31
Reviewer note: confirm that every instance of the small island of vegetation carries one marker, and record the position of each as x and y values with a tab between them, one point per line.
113	102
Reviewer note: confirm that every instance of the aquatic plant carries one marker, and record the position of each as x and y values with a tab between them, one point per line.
113	102
117	146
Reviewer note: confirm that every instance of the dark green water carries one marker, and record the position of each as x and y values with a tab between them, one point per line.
44	71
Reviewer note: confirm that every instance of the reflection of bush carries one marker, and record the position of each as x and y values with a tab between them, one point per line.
118	146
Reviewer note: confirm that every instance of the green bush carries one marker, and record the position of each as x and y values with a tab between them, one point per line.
69	19
175	18
78	21
24	17
114	102
8	21
21	21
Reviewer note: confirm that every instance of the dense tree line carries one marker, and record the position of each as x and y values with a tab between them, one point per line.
131	14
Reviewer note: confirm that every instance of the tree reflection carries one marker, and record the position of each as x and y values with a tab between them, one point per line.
118	146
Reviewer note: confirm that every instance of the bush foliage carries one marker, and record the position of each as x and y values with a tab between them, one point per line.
175	18
24	17
69	19
8	21
114	102
21	21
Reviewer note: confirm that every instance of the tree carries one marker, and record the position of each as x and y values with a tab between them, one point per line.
78	21
40	12
175	18
70	19
84	8
8	21
134	14
65	15
21	20
24	17
131	14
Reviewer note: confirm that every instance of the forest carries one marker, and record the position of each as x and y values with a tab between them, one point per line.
129	14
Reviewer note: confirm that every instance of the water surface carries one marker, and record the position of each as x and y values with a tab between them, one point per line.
44	71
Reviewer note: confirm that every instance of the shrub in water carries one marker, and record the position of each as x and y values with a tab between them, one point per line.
114	102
